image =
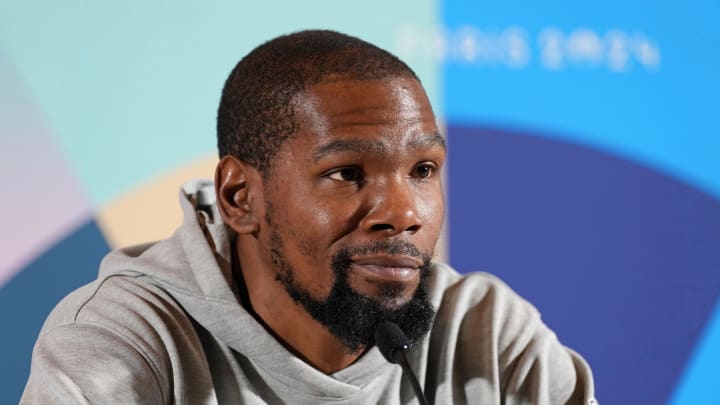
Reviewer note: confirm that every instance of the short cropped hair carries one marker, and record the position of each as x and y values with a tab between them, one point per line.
255	114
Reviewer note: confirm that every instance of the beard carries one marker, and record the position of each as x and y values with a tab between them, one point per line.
351	316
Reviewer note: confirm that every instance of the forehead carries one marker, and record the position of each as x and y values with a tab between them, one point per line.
392	111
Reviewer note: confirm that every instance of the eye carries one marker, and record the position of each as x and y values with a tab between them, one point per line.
350	173
424	170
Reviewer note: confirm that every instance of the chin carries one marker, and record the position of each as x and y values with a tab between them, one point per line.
389	295
392	304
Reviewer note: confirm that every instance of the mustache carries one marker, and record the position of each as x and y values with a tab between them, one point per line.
341	259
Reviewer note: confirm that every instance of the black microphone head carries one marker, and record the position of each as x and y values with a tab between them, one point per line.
390	339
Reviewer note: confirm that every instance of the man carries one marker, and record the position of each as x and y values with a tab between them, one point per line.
325	210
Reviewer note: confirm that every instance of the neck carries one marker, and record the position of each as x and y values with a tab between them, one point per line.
266	298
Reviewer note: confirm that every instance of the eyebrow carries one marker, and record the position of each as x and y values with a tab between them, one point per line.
428	141
360	145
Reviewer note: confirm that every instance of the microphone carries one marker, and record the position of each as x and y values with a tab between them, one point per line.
393	343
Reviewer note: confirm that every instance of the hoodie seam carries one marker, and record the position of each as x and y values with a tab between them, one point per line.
95	292
146	358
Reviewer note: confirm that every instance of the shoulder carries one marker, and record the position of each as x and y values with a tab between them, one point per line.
125	303
484	328
481	302
116	331
464	292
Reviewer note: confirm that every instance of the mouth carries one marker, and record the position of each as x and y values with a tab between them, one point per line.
390	268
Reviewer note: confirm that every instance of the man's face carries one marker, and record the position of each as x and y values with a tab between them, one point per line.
355	205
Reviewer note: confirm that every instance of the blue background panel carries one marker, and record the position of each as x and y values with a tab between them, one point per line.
621	260
637	78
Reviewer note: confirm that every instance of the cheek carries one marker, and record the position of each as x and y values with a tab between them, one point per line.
320	216
306	251
318	226
431	210
325	219
308	227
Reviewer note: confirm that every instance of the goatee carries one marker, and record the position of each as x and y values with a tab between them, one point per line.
351	316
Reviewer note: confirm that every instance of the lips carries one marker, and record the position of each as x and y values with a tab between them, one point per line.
392	268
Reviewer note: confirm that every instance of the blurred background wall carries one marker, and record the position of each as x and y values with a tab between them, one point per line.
583	167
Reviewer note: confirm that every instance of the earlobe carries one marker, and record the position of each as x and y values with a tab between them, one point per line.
236	188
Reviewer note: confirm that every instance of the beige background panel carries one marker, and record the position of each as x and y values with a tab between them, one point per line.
151	211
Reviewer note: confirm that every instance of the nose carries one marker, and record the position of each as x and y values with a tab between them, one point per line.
393	209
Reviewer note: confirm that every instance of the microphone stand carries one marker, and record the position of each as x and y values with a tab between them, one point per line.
411	376
393	344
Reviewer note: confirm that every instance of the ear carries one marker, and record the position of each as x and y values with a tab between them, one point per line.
239	194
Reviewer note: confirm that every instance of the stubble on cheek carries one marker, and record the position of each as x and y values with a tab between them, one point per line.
306	271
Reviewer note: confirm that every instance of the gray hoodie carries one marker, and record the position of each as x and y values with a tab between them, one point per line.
163	324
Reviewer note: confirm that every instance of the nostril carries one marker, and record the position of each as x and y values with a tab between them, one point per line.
389	227
413	228
381	227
